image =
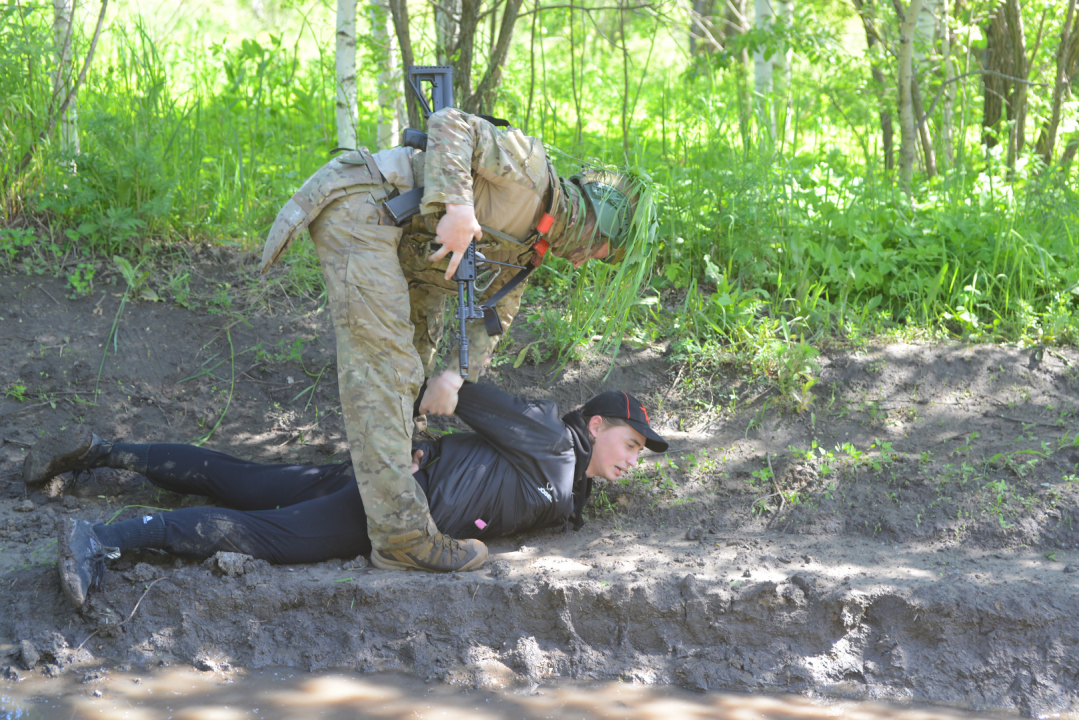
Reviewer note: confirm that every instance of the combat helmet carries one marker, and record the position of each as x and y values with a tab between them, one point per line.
612	197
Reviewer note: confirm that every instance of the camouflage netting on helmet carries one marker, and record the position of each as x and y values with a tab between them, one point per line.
605	294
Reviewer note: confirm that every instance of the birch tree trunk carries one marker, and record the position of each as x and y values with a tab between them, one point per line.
345	62
1065	75
390	105
923	127
867	11
944	29
63	28
924	34
782	66
908	135
763	14
399	12
447	12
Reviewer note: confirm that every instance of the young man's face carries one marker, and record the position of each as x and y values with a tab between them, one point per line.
615	449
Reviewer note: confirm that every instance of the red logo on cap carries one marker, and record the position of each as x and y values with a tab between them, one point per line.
645	414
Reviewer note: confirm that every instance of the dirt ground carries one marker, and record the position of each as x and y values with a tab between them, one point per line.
912	535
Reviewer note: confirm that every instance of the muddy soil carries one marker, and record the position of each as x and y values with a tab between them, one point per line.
911	535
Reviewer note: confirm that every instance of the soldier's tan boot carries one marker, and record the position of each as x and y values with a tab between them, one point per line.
428	549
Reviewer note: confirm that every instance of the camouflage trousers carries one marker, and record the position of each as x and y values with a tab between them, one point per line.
379	372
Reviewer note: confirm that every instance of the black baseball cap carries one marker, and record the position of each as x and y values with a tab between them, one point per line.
620	404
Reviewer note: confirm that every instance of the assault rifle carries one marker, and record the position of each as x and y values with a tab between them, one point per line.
433	87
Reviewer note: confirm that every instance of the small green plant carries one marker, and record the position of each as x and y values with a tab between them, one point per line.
602	503
292	352
221	301
12	242
701	463
178	287
81	281
135	278
762	478
17	392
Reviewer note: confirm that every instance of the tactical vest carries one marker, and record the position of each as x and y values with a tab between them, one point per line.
346	174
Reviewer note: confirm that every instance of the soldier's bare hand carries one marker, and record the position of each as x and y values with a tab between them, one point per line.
417	456
440	398
457	228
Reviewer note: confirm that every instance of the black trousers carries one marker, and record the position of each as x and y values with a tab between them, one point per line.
280	513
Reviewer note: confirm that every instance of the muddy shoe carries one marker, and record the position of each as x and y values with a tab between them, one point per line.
430	550
74	449
82	560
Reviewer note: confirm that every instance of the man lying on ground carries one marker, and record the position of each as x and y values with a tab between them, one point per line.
523	468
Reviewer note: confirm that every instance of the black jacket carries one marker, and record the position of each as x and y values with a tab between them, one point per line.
523	468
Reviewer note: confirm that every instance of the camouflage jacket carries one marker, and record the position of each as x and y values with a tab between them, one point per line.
505	175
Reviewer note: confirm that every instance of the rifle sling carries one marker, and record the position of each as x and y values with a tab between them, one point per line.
492	323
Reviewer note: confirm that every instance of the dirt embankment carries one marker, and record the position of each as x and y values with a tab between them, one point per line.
912	535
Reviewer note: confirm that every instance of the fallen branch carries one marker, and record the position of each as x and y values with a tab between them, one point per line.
42	289
1055	426
95	632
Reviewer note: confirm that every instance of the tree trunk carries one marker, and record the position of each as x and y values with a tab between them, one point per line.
345	65
532	65
399	12
782	66
1069	152
486	89
923	128
1017	101
866	11
763	17
736	20
446	30
996	89
389	76
763	14
625	79
63	29
908	135
1067	61
948	108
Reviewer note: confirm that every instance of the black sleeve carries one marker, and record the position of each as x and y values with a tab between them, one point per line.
526	432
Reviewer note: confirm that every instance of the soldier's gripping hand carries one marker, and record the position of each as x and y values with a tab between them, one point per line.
457	228
440	398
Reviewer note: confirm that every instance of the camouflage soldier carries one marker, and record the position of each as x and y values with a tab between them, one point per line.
386	293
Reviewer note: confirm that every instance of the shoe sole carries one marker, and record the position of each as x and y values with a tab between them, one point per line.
66	565
54	455
384	563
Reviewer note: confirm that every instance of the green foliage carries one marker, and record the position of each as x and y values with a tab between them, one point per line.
766	240
12	242
17	392
81	280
